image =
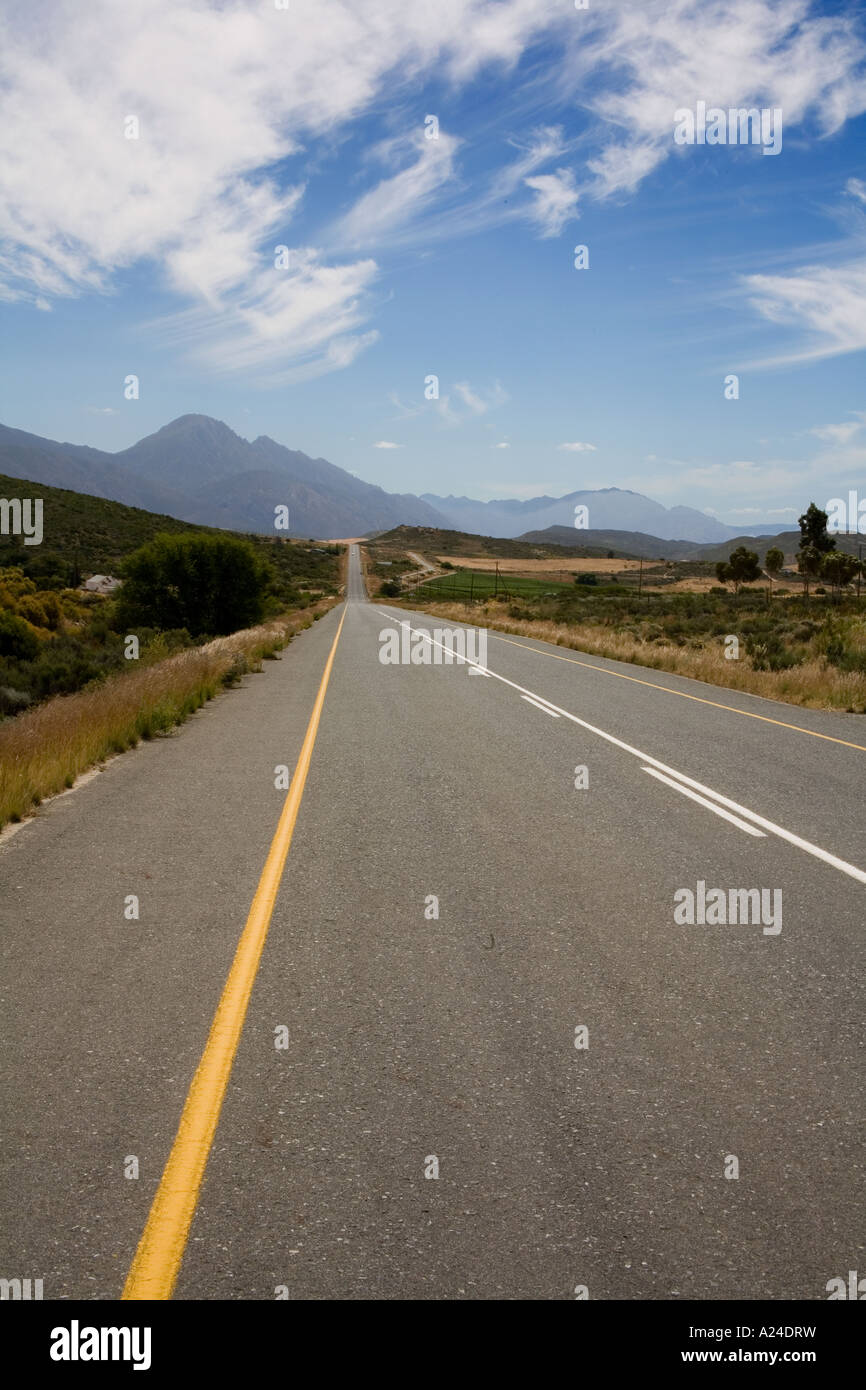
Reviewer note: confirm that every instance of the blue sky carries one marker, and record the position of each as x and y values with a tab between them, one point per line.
261	127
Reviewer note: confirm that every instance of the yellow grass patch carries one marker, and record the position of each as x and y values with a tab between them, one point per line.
547	565
45	749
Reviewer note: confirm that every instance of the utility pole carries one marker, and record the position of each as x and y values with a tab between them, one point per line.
640	577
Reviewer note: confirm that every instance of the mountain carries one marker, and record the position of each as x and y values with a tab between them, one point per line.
656	548
623	543
609	509
81	469
199	470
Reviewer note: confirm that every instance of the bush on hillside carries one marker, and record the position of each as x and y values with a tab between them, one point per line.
207	584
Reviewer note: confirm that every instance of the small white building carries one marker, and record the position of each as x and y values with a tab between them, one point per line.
101	584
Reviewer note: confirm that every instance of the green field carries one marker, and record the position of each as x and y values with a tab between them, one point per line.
482	584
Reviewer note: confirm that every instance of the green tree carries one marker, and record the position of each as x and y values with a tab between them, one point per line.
742	568
813	530
839	569
809	559
773	562
208	584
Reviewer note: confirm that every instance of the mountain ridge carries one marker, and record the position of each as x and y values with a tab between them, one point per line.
198	469
610	508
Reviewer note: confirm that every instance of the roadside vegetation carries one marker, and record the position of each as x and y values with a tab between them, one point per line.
46	748
805	645
85	675
56	638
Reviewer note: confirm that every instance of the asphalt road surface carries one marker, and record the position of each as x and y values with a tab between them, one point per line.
542	811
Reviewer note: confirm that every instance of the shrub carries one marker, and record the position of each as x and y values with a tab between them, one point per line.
206	584
17	638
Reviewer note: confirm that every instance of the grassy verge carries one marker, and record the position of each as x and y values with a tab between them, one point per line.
813	683
45	749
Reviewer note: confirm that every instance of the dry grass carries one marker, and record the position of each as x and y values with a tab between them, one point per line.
547	565
45	749
812	685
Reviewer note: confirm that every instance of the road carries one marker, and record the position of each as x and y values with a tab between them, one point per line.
413	1037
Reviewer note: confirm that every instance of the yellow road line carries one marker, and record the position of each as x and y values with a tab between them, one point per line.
747	714
160	1251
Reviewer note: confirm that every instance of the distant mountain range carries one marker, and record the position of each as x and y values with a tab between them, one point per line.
199	470
635	543
608	508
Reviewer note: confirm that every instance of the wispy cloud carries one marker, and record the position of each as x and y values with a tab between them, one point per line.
826	304
556	200
577	447
841	433
476	402
386	444
733	53
227	94
295	324
381	214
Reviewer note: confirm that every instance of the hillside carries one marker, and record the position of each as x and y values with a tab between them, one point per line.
624	544
92	535
434	541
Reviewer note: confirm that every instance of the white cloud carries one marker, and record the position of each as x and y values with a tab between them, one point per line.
827	303
386	444
578	448
232	95
502	445
839	434
385	209
857	189
556	200
661	55
295	324
223	93
476	402
468	397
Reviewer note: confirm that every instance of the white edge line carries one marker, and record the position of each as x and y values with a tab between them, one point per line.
539	705
833	860
710	805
